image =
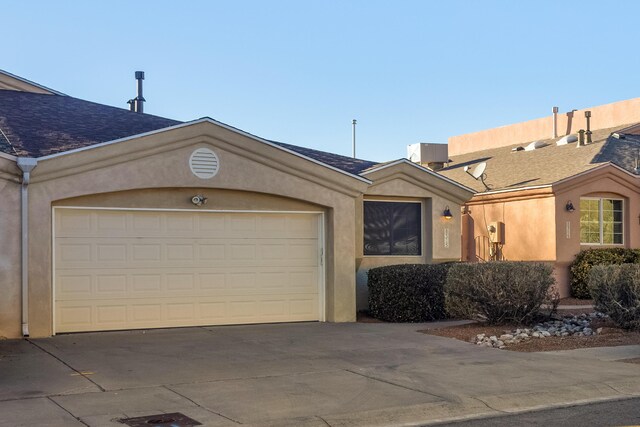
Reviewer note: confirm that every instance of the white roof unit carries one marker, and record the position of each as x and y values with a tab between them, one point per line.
425	153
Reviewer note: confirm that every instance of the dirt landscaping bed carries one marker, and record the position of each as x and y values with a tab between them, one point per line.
610	336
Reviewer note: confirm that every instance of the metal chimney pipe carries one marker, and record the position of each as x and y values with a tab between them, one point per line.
587	114
555	122
353	123
139	99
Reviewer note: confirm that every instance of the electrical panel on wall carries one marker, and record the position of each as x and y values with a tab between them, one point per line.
496	232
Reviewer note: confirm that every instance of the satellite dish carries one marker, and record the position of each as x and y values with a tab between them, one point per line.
478	173
479	170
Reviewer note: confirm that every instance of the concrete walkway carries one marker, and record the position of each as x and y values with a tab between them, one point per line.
306	374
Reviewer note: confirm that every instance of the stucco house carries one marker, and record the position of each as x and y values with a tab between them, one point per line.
115	219
547	196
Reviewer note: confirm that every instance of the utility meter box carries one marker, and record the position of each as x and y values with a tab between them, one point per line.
496	232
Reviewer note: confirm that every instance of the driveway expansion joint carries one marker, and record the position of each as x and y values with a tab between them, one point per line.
199	405
323	420
66	410
396	385
80	373
489	406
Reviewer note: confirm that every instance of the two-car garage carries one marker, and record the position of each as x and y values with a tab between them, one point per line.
129	269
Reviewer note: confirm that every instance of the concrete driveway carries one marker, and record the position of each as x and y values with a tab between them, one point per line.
305	374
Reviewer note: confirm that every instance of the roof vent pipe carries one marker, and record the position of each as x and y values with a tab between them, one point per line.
587	114
353	123
137	104
555	122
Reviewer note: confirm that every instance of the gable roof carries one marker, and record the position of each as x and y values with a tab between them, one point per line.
511	170
347	164
39	125
10	81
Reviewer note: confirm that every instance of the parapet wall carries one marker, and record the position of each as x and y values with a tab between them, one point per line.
602	117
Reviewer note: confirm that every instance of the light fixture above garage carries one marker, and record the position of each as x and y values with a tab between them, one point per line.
199	200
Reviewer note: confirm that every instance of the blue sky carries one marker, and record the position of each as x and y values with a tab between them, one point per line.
300	71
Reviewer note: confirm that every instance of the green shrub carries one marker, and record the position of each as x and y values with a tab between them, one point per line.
500	291
586	259
407	292
616	292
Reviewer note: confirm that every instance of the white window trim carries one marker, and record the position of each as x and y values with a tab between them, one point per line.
600	222
422	228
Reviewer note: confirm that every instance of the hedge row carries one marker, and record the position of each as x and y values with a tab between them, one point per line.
616	292
585	260
497	292
408	292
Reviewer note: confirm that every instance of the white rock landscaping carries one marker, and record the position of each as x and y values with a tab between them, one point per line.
571	325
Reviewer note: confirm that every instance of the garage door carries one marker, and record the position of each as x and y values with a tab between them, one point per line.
128	269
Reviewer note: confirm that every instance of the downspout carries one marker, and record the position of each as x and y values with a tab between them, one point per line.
26	165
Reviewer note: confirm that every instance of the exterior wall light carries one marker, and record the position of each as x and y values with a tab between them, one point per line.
199	200
447	213
569	207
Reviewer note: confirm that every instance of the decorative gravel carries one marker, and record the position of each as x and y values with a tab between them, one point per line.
579	325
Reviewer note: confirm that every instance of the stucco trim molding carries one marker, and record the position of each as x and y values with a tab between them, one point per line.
30	83
422	168
8	156
216	123
624	177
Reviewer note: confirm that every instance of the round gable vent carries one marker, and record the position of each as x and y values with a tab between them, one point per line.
204	163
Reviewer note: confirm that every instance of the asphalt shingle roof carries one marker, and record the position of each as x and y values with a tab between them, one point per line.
507	169
37	125
347	164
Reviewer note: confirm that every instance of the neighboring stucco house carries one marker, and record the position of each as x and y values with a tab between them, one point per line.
113	219
546	199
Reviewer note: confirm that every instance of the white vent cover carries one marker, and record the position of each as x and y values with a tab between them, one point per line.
204	163
534	146
567	139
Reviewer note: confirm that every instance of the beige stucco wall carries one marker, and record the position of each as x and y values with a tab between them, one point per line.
153	172
406	183
275	179
10	249
602	117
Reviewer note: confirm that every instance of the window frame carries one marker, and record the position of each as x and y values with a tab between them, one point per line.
420	222
601	221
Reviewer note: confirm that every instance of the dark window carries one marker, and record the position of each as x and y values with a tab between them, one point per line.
392	228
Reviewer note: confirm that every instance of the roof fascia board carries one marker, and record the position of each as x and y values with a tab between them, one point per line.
510	190
597	168
457	195
29	82
583	177
264	141
422	168
198	121
8	156
525	194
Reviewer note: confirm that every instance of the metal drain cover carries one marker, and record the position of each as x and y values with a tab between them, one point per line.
175	419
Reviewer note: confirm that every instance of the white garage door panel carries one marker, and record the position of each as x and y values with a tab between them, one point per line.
145	269
120	252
